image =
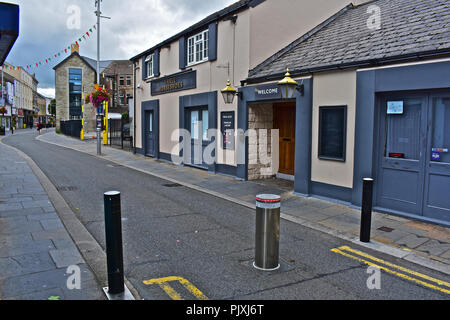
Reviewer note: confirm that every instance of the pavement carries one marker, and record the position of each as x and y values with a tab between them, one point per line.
38	258
422	243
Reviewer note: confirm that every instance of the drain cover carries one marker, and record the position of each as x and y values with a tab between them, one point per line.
66	188
385	229
172	185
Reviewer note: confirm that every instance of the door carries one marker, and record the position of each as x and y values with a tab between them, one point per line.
284	121
402	157
198	127
149	134
437	168
414	157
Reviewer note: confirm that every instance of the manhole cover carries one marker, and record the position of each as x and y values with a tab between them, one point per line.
66	188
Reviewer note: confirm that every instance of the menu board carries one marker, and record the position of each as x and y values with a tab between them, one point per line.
227	129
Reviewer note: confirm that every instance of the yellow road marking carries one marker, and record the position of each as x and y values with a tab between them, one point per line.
163	283
398	274
417	274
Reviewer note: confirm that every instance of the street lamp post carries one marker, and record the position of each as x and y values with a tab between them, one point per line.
99	148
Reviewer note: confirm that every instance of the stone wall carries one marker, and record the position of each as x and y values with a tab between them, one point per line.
62	90
260	124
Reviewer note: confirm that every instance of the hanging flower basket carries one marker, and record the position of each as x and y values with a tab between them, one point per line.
97	97
3	111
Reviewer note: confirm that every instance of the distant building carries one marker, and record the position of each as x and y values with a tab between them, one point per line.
75	77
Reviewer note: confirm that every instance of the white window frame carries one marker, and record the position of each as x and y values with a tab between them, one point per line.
149	65
197	48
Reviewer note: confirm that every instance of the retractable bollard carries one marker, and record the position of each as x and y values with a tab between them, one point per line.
114	250
267	238
366	210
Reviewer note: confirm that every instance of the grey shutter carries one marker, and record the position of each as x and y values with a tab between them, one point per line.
212	43
183	53
156	63
144	68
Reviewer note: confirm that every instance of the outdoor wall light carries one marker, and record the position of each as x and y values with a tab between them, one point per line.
229	92
289	85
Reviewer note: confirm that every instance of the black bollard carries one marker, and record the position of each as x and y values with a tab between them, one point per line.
366	210
114	251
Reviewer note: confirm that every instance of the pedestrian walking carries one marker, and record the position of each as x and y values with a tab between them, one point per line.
39	127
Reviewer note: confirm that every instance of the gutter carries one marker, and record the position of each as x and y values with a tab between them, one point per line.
356	64
198	25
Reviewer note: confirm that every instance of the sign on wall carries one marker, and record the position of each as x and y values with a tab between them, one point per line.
227	129
174	83
268	91
395	107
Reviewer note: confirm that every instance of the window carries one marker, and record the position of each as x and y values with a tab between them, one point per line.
75	83
128	80
149	65
121	81
197	47
122	98
332	132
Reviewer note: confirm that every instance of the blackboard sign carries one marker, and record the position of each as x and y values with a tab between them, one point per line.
227	129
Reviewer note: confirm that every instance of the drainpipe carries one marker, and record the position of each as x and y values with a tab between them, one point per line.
134	107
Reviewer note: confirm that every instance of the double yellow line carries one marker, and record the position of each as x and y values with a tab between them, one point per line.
381	264
164	284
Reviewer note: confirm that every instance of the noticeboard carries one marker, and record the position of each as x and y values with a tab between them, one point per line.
227	129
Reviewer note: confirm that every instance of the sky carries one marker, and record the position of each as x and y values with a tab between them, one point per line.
49	26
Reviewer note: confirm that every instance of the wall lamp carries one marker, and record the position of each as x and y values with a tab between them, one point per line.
229	93
289	85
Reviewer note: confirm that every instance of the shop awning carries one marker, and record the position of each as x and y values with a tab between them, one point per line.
9	28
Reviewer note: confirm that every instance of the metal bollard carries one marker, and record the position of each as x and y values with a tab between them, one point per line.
114	251
267	238
366	210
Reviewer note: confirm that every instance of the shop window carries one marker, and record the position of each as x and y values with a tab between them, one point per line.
332	132
441	130
403	129
197	48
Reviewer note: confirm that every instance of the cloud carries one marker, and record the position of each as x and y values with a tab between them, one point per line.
134	27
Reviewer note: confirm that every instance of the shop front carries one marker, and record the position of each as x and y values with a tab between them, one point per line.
403	139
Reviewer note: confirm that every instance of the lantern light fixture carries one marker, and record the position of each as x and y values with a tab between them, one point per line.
229	92
288	86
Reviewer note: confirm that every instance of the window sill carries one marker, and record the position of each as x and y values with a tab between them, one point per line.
331	159
196	63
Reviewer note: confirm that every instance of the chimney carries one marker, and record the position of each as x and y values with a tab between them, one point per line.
74	48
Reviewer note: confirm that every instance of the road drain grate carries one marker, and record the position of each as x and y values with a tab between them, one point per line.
172	185
385	229
66	188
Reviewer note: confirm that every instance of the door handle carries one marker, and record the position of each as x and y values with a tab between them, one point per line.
287	139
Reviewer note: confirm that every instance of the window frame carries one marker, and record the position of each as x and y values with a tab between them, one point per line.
121	81
193	42
150	58
128	81
344	133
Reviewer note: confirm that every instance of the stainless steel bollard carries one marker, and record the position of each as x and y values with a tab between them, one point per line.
267	238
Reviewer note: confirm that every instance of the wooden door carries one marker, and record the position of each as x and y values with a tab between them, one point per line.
284	121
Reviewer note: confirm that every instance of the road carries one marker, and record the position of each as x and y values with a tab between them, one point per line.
183	244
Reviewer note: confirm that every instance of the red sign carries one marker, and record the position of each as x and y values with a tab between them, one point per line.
20	112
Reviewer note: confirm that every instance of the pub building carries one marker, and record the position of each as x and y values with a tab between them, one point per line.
371	102
354	103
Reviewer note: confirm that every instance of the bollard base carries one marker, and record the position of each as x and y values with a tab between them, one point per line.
125	295
264	269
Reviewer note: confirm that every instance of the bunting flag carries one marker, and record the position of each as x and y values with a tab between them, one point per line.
58	54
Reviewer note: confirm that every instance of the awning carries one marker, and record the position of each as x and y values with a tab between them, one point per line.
114	116
9	28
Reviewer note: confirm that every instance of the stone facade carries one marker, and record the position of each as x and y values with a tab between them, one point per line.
260	125
62	90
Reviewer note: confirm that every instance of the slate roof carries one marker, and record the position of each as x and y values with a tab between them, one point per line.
409	29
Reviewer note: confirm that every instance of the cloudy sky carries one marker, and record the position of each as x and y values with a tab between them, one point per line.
49	26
